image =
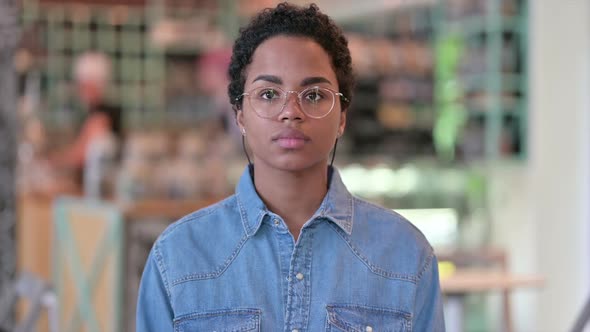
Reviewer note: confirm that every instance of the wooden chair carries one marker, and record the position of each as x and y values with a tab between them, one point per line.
485	257
88	265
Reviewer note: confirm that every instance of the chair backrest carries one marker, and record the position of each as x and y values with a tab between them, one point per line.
88	265
489	258
484	257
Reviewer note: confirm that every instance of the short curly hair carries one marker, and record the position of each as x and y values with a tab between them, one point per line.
291	20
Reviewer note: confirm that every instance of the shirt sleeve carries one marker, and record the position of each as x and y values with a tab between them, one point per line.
154	310
428	304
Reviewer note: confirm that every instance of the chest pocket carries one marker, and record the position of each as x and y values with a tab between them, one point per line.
233	320
356	318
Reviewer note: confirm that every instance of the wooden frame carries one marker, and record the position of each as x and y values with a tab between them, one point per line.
88	265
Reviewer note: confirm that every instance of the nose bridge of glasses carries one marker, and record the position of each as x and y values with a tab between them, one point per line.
297	99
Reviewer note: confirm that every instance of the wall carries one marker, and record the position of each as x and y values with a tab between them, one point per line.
542	208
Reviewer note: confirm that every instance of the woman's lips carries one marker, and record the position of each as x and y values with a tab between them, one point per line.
291	143
290	139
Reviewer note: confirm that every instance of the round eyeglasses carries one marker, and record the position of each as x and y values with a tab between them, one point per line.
268	102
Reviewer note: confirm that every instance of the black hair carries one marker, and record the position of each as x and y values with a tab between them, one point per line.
291	20
114	113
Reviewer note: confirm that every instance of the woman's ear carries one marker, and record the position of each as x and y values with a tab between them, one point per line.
240	121
342	124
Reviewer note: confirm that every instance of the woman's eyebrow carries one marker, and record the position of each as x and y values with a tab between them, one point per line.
306	81
268	78
315	80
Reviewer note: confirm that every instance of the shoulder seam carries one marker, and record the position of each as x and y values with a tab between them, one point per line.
374	268
426	264
220	269
162	270
194	216
397	216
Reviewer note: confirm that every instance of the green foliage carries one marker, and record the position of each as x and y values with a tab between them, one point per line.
452	115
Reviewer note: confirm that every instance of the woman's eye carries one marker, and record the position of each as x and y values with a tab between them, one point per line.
313	96
269	94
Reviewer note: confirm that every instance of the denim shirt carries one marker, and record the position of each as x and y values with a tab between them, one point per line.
234	266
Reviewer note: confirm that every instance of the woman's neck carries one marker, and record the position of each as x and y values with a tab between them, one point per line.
295	196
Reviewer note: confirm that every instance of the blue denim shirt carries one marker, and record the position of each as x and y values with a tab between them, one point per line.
234	266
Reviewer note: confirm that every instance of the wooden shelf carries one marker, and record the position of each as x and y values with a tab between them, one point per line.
465	281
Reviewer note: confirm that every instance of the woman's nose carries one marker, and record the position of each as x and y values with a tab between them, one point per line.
292	108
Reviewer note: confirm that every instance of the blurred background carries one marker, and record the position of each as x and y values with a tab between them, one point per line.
470	117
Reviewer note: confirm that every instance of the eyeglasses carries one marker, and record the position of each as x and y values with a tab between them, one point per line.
268	102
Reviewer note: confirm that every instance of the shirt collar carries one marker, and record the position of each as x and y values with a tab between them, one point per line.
337	205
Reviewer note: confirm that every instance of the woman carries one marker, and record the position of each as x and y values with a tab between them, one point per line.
102	122
291	250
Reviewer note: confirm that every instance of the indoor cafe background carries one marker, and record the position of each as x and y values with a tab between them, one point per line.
472	117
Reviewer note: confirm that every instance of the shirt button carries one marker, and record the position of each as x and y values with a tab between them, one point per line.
294	330
276	221
369	328
299	276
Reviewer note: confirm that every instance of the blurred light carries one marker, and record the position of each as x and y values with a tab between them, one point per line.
407	180
354	177
380	180
446	269
440	226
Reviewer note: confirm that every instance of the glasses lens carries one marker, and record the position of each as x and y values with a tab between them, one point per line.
317	102
267	102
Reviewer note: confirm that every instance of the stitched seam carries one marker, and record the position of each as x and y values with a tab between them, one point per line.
369	204
162	269
290	290
194	217
332	308
351	221
370	308
398	216
222	268
348	327
243	215
245	311
426	265
284	295
374	268
340	324
308	264
252	323
259	219
348	222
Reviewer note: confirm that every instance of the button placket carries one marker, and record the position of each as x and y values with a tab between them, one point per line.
299	292
285	251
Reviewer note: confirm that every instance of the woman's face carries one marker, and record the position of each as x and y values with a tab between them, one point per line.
291	140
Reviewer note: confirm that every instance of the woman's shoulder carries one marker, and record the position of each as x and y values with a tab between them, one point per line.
204	220
387	242
371	219
375	213
200	245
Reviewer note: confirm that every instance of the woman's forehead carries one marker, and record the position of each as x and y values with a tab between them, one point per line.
289	58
